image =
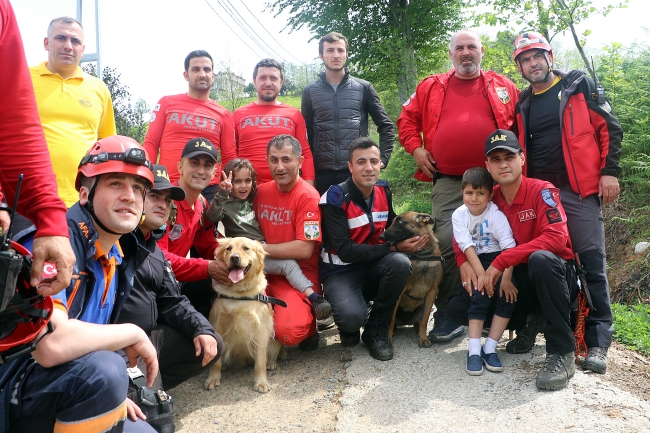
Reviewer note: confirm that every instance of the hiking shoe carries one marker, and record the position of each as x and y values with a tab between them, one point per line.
309	344
491	361
474	365
557	371
525	340
375	336
596	360
325	324
322	309
349	339
444	329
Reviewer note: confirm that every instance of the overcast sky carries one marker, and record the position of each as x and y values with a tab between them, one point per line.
147	40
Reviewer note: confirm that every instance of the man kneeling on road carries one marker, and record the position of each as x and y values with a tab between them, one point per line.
538	223
186	342
356	266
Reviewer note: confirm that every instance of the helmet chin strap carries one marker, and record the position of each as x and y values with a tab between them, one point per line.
91	210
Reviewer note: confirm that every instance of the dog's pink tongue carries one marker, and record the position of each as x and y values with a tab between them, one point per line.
236	275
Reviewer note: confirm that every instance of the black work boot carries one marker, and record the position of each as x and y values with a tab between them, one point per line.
556	372
375	336
596	360
525	340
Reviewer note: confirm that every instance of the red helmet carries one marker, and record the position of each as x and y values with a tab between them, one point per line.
530	41
115	154
27	313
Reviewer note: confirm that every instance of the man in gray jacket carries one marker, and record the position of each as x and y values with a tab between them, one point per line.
336	108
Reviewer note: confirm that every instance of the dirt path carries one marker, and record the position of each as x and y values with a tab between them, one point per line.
421	390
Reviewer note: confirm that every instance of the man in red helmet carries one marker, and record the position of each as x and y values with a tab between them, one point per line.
473	102
112	179
579	152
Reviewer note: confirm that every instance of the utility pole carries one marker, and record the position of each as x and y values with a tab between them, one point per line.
92	57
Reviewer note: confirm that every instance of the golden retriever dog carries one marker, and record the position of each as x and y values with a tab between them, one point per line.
244	323
416	301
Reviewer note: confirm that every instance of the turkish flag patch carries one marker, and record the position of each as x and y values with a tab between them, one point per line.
553	216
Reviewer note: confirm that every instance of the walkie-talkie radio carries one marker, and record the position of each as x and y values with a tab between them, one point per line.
598	96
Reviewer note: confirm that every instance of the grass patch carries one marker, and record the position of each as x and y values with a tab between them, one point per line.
632	326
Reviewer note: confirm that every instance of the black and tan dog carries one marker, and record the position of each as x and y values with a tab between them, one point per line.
416	301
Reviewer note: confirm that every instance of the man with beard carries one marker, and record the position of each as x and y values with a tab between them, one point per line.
336	108
585	130
444	125
178	118
258	122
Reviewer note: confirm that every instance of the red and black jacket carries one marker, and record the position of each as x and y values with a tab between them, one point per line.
591	134
351	230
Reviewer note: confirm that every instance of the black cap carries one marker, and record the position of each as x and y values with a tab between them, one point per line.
199	146
502	139
161	182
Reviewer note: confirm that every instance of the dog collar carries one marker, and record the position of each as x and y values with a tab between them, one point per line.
427	258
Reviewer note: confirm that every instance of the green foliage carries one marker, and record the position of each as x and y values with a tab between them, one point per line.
549	17
632	326
408	193
624	72
390	41
129	119
498	57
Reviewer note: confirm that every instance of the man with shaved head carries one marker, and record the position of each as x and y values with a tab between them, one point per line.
444	125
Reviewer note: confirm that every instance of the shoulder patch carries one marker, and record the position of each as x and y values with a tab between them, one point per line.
551	196
553	216
312	230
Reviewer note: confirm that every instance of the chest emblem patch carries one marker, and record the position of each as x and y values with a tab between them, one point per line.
503	95
175	232
527	215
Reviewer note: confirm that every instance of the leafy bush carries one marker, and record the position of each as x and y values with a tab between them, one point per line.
632	326
408	193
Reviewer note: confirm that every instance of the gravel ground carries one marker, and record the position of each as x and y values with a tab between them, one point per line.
420	390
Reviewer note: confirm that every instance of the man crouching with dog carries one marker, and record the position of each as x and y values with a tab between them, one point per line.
355	265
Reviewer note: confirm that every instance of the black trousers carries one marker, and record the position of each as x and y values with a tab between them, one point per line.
177	360
381	282
176	356
481	303
552	280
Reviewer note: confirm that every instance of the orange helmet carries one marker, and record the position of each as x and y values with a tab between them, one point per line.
530	41
115	154
26	313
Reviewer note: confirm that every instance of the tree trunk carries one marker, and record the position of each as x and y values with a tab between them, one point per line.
407	77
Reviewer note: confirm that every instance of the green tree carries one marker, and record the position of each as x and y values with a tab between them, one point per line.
624	73
390	41
549	17
129	118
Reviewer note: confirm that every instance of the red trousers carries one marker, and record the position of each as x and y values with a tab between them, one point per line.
295	322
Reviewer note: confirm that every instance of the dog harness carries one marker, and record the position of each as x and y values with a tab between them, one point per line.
261	297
